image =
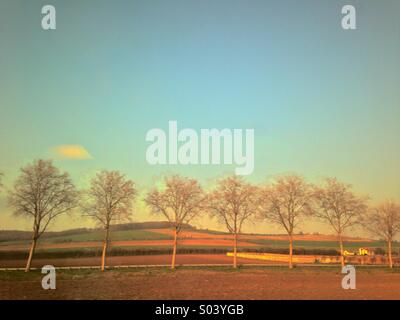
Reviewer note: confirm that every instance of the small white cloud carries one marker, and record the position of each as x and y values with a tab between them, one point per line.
76	152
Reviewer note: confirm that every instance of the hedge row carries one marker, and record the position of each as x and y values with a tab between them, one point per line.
120	251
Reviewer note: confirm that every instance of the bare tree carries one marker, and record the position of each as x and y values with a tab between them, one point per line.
287	202
109	200
232	202
42	193
383	221
340	207
180	200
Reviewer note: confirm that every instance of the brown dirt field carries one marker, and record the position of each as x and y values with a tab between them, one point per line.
181	259
250	284
131	243
304	237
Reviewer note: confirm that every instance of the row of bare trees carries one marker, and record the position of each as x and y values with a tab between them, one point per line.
287	202
43	193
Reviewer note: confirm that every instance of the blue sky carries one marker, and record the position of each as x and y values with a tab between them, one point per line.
323	101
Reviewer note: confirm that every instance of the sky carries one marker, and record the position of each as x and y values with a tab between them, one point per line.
323	101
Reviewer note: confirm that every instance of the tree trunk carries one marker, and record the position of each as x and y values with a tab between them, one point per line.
235	241
341	250
31	251
174	249
390	253
290	251
105	247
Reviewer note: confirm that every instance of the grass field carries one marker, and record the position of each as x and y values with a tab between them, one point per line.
277	241
132	247
139	234
322	244
115	235
159	241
